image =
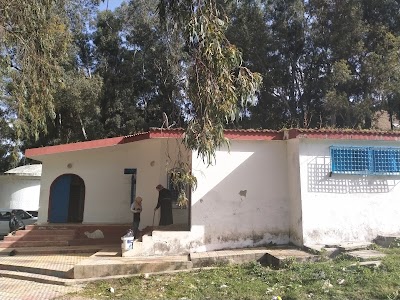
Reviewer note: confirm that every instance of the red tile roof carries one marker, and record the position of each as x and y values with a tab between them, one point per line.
343	134
231	134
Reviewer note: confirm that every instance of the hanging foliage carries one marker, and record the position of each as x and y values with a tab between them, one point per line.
182	180
33	44
180	175
218	83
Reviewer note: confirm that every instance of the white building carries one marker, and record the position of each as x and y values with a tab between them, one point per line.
289	186
20	188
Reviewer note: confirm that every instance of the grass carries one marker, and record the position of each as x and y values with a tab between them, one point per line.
330	279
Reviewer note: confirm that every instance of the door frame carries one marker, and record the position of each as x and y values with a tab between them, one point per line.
50	202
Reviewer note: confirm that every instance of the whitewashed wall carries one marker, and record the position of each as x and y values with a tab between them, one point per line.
295	211
242	200
345	207
19	192
107	196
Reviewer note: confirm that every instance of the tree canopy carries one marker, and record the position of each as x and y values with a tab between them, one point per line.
69	72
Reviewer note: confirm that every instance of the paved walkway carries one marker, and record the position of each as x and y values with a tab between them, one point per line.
28	276
15	289
52	263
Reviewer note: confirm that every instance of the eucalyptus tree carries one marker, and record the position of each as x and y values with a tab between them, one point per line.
33	44
383	59
217	78
276	41
9	156
248	30
159	63
112	62
76	111
361	59
135	58
46	87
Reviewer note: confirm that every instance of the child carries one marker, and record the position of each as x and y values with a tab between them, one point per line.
136	208
15	222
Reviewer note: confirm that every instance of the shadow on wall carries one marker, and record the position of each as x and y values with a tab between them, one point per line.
320	180
248	206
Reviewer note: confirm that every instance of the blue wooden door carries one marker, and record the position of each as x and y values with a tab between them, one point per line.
59	202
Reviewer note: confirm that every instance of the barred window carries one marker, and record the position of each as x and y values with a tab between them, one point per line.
365	160
386	160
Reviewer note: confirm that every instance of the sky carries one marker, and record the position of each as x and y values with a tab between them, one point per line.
112	4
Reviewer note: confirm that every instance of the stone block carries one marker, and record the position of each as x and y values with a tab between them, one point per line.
387	241
365	255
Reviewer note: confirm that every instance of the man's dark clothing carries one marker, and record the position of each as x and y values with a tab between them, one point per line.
165	203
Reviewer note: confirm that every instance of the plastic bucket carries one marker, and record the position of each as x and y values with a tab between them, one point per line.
127	243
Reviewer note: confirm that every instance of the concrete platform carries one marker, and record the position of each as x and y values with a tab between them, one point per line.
109	262
366	255
345	247
60	266
277	258
272	256
77	268
333	250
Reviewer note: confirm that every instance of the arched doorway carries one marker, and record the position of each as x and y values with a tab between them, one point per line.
67	199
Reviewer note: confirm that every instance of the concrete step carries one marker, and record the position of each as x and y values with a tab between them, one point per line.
53	250
352	246
104	241
117	266
20	244
43	232
35	270
69	235
29	237
278	257
320	249
40	278
206	259
49	227
366	255
274	256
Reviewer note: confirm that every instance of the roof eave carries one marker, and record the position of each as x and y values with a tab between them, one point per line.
231	134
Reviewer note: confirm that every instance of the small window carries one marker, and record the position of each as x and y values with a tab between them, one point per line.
365	160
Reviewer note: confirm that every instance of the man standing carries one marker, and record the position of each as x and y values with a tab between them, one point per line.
165	202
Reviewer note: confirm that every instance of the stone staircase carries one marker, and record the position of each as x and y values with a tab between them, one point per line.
159	241
65	235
